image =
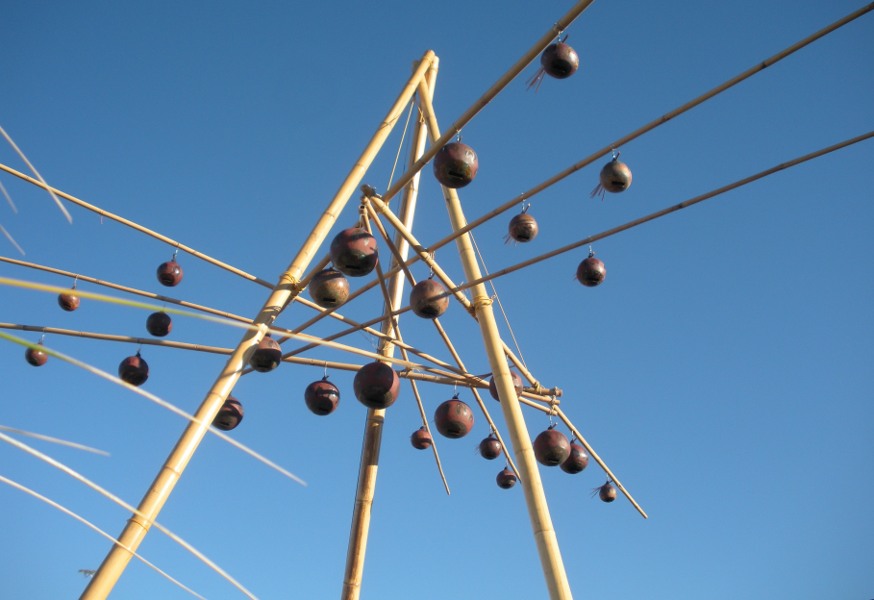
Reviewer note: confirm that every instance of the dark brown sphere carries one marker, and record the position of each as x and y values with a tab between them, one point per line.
506	479
591	272
35	357
421	439
266	356
427	299
329	288
455	165
560	60
169	273
576	461
159	324
523	228
453	418
68	301
517	385
607	493
615	176
133	370
490	448
322	397
551	448
376	385
229	415
354	252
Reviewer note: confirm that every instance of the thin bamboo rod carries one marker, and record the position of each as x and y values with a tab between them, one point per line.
372	440
654	123
671	209
119	502
535	498
600	462
60	507
115	562
158	236
502	82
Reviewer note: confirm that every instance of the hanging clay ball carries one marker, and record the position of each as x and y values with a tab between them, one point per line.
35	356
133	370
229	415
455	165
607	493
329	288
266	356
376	385
453	418
522	228
322	397
591	271
559	60
354	252
506	479
159	324
576	461
428	299
68	301
169	273
517	385
490	448
421	439
615	176
551	447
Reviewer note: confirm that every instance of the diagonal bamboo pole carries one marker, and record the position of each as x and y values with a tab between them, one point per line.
288	286
368	467
535	498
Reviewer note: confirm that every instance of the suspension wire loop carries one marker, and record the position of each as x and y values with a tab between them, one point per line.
666	211
49	189
138	227
96	529
657	122
401	143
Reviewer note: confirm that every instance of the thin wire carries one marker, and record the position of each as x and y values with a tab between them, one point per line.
401	144
54	440
8	198
12	241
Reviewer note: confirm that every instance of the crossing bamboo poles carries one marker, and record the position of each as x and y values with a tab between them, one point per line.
368	467
538	509
286	288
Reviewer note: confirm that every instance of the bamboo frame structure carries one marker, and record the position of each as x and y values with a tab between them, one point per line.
287	287
535	498
368	467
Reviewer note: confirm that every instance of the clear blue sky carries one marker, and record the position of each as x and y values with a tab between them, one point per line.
723	370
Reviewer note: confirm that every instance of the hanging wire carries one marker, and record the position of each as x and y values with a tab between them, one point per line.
401	146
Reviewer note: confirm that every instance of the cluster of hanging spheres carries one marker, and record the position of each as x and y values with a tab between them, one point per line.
376	385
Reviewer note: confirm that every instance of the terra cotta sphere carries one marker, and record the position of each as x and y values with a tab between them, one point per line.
229	415
376	385
266	356
68	301
159	324
490	447
523	228
455	165
322	396
169	273
607	493
329	288
591	271
36	356
421	439
559	60
551	447
576	461
134	370
428	299
506	479
517	385
453	418
615	176
354	252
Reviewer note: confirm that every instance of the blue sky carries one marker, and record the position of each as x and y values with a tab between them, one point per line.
723	370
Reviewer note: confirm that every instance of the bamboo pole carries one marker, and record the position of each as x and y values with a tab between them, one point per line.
535	498
758	67
115	562
368	467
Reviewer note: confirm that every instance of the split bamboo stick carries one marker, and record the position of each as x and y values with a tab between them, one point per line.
116	561
372	441
538	508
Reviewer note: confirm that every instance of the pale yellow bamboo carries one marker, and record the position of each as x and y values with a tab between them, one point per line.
367	471
175	243
758	67
538	508
600	462
115	562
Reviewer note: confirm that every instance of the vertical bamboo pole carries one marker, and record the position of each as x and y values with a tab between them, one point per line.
535	498
139	524
367	469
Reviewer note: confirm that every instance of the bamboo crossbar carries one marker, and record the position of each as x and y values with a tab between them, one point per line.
652	125
670	209
151	233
